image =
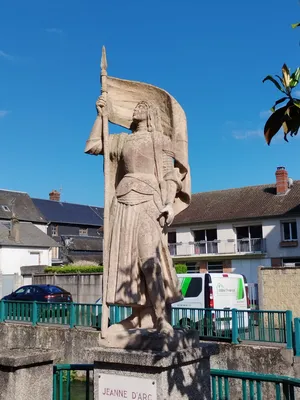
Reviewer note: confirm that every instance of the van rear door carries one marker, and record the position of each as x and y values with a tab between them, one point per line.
229	291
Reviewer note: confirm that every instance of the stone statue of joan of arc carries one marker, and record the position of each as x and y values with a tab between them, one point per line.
149	183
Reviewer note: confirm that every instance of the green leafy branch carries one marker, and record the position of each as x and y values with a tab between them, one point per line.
288	116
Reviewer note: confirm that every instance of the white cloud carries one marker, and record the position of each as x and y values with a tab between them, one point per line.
3	113
246	134
265	114
54	30
5	55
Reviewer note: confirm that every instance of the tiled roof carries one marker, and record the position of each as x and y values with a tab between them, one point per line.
69	213
22	205
30	236
84	243
240	204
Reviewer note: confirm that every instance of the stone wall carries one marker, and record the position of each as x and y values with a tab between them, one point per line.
74	342
85	288
279	288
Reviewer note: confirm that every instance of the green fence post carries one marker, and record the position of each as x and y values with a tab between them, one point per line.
72	315
289	329
235	328
2	311
54	383
117	314
34	313
297	336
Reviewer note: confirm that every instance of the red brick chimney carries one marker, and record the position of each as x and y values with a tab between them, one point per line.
54	195
282	180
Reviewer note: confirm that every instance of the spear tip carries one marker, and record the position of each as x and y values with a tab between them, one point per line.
103	59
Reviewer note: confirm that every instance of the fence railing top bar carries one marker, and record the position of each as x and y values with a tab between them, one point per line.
73	367
65	302
263	311
18	301
255	376
248	310
203	309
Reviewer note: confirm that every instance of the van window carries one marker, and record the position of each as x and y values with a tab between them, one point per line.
194	287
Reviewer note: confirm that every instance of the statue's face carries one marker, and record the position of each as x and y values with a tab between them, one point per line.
140	112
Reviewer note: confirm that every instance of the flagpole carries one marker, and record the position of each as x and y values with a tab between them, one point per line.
105	308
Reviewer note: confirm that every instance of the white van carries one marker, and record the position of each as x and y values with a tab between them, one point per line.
204	291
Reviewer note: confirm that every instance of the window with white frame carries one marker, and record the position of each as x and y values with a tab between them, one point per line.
289	230
83	232
54	230
249	238
172	243
55	253
214	267
205	241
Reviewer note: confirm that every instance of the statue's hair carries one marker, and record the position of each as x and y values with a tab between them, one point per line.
153	117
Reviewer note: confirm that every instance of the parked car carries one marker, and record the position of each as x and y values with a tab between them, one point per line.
41	293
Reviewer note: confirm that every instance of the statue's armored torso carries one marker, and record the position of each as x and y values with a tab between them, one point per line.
138	154
139	168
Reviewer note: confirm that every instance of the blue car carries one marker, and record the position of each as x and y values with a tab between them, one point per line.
41	293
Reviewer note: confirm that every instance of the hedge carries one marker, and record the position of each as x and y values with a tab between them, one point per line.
85	269
74	269
181	268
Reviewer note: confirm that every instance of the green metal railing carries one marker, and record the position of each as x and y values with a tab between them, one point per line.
63	381
297	337
222	324
226	385
211	323
265	326
238	325
71	314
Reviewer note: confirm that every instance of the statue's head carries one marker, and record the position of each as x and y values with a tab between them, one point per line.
149	112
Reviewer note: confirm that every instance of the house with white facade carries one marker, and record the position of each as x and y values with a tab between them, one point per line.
238	230
23	238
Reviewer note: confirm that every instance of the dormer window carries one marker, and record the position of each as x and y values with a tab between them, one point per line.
5	208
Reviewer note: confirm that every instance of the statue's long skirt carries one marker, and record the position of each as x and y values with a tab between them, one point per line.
135	232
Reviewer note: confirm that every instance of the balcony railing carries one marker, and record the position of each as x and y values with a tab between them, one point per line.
230	246
251	245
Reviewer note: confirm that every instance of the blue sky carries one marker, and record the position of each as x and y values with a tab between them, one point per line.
211	56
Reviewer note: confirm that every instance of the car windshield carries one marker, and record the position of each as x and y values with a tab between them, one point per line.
54	289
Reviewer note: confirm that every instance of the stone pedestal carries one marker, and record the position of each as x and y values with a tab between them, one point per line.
153	375
26	374
143	339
